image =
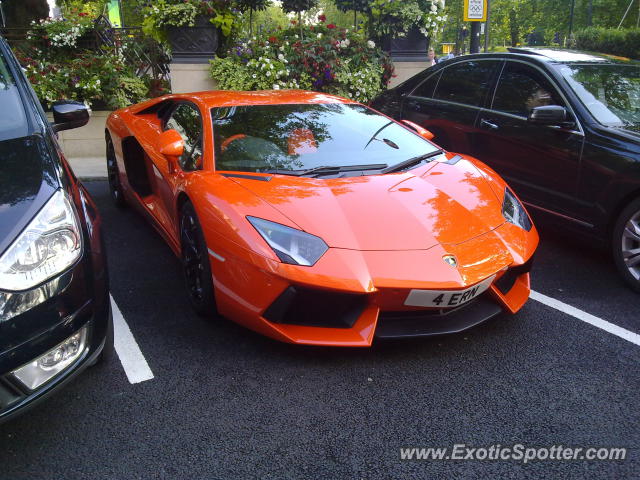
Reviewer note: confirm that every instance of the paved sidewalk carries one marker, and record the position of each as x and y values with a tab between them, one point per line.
89	167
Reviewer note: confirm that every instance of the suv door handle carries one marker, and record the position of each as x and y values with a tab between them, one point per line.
488	125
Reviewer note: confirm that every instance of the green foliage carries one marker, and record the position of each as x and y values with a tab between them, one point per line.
161	14
624	43
298	5
60	65
324	58
357	5
255	5
396	17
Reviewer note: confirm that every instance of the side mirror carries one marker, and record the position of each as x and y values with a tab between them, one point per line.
548	115
69	114
170	143
423	132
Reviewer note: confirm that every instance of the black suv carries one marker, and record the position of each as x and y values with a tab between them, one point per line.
55	316
562	127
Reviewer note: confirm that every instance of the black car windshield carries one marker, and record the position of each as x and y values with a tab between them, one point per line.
610	92
299	137
13	121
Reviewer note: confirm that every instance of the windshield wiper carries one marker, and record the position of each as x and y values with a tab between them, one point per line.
411	161
327	170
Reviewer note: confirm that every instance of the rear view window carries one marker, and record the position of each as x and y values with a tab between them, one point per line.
13	121
466	82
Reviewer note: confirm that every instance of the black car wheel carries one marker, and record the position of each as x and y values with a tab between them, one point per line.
195	263
113	175
626	244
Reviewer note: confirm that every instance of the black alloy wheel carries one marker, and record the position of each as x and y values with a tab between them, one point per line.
626	244
195	263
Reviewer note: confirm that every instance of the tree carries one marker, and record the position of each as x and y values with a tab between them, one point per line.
298	6
356	6
251	6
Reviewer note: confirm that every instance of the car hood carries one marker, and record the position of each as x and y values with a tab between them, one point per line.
435	204
28	178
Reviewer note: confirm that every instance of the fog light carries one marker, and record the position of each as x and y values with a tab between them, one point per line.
44	368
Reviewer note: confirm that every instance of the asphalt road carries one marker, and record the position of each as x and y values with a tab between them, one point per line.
226	403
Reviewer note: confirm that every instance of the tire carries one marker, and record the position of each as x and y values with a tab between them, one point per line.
625	244
195	263
113	175
108	349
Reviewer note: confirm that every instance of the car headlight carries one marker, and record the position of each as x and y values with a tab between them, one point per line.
50	244
514	212
290	245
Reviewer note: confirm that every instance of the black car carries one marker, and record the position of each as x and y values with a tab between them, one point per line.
55	316
562	127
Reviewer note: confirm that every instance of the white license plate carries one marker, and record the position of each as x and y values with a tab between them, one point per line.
446	298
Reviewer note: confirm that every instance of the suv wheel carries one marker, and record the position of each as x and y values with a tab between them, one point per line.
626	244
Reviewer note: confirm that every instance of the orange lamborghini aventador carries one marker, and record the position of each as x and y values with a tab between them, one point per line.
314	219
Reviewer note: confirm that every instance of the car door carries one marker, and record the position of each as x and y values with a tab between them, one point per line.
448	102
185	118
540	162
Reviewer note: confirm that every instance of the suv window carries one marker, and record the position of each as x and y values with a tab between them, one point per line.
522	88
186	120
466	82
13	121
427	87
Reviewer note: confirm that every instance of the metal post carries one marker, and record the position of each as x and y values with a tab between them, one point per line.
486	27
474	43
573	6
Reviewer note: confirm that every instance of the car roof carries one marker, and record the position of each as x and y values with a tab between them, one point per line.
555	55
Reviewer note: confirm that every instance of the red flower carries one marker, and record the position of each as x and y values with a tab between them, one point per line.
83	14
272	39
293	22
331	25
322	18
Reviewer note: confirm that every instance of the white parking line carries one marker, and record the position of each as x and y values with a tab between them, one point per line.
587	317
133	362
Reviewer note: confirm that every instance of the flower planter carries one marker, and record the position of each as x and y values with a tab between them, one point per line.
410	48
195	44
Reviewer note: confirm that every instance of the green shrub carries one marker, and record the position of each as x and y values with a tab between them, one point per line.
623	43
321	57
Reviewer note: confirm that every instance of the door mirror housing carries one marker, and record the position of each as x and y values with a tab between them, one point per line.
68	114
423	132
170	143
548	115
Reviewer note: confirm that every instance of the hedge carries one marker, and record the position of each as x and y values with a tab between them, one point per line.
624	43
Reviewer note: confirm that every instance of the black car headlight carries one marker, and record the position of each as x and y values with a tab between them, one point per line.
289	244
48	246
514	212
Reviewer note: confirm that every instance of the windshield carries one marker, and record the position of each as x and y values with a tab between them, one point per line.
610	92
13	121
263	138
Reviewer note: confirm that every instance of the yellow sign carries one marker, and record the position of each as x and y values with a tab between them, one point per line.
475	10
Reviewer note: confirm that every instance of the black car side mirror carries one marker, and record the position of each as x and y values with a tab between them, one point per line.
69	114
548	115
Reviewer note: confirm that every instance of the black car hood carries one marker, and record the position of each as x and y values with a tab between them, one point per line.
28	178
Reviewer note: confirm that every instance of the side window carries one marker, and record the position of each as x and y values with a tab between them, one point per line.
522	88
186	120
466	82
426	88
